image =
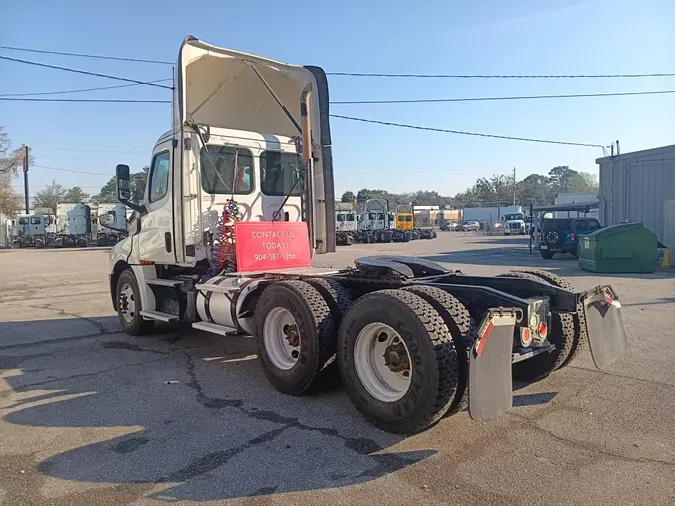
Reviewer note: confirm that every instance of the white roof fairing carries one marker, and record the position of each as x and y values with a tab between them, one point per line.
217	87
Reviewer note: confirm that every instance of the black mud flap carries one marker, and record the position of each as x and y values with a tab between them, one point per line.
604	324
490	388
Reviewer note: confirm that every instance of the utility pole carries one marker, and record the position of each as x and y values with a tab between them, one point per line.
25	178
514	185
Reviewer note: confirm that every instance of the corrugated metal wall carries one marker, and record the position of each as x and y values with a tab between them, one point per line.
634	187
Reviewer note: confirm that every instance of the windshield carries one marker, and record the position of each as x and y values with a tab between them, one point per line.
345	217
23	221
218	161
35	220
280	171
517	216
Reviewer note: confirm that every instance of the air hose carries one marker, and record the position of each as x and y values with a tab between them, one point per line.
223	258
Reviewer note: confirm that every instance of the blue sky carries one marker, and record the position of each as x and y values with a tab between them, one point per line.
515	37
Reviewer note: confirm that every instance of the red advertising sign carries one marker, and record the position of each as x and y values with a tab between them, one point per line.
266	245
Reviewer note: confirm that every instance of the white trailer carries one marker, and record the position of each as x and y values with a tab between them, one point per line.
240	197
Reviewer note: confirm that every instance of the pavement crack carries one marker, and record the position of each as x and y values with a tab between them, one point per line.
27	386
61	312
362	446
624	376
588	446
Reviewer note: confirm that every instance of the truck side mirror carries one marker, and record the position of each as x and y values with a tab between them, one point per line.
124	189
123	183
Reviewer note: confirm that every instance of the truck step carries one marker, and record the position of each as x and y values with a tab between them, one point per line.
164	282
202	287
214	328
157	315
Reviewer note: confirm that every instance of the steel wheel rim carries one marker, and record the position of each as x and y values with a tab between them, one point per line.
386	379
281	337
127	303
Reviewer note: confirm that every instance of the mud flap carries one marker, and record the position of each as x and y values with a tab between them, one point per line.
490	388
606	335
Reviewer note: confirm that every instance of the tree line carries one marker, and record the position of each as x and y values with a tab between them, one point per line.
11	202
495	190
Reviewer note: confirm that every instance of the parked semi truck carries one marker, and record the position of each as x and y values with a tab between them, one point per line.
112	224
345	223
73	224
28	231
412	340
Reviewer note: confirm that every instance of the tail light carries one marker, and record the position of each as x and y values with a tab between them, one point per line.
543	330
539	236
573	236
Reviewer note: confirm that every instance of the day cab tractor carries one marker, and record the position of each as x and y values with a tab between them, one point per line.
515	224
240	198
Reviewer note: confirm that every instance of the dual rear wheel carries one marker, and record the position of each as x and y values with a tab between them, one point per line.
401	354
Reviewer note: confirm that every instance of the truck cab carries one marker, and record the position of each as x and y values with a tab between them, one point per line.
514	224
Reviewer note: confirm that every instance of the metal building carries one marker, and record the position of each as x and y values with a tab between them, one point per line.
640	186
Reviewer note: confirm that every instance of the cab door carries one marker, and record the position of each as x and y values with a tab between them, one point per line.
155	240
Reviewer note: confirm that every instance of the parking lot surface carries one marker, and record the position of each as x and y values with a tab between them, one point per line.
91	416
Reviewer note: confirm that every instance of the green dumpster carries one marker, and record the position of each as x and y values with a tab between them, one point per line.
627	247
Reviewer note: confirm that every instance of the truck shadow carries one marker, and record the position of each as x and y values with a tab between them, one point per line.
188	413
191	414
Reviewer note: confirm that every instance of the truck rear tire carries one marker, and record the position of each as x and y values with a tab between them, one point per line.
580	332
295	333
398	361
562	335
464	334
546	255
339	301
129	305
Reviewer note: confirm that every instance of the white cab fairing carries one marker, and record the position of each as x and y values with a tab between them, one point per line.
227	91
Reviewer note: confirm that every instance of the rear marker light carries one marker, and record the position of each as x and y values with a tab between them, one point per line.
483	337
543	329
525	336
608	300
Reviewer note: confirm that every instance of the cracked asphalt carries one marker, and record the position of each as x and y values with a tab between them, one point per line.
93	416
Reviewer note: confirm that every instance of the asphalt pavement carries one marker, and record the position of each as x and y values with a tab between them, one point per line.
93	416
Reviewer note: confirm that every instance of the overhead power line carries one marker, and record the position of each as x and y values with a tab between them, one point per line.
475	76
368	74
85	72
100	100
484	99
23	98
63	92
69	170
459	132
81	55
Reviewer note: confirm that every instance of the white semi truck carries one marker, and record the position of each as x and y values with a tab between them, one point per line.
112	223
29	230
73	224
240	196
345	224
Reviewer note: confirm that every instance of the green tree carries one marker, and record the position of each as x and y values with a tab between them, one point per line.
75	194
583	182
535	189
108	191
364	194
348	197
50	196
560	178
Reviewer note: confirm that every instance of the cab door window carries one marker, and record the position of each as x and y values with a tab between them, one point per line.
159	176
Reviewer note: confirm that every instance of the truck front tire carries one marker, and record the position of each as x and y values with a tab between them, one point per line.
129	305
398	361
